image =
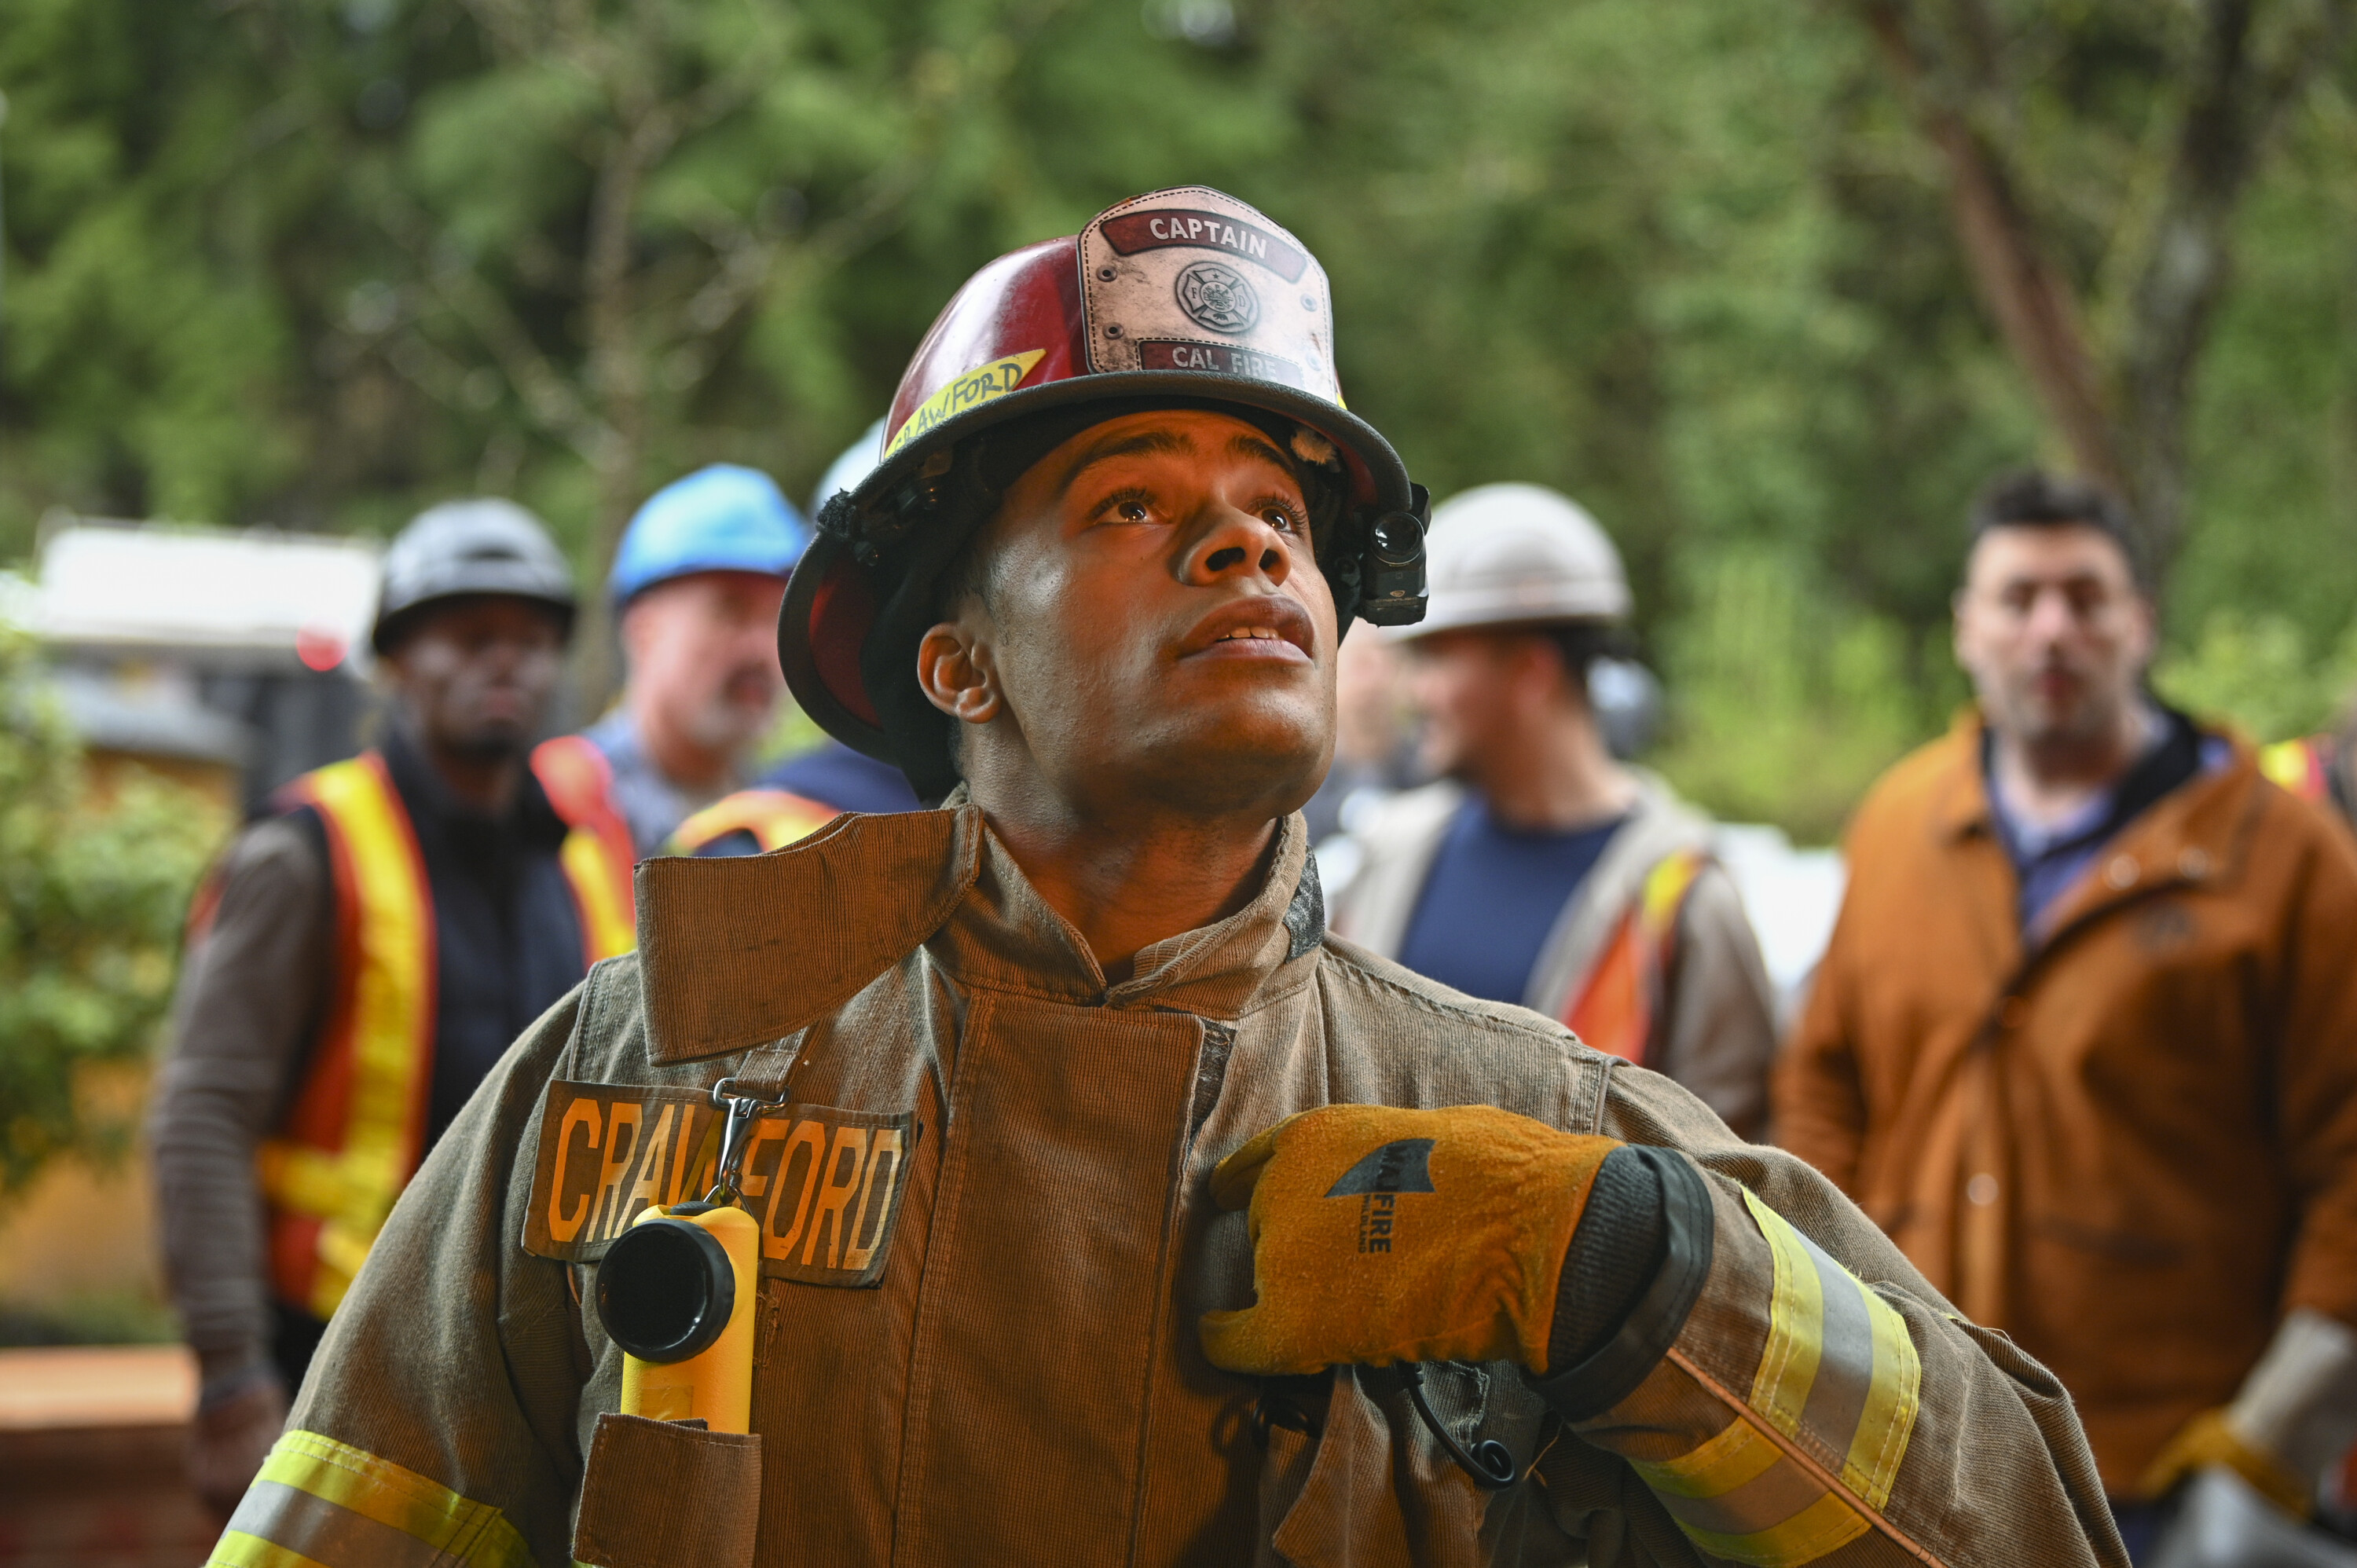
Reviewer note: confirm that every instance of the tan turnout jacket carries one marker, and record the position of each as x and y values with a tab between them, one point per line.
988	1237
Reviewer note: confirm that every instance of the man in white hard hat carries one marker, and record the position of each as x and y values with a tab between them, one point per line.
1539	870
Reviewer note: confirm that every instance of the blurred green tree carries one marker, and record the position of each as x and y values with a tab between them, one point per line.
2097	158
318	262
93	891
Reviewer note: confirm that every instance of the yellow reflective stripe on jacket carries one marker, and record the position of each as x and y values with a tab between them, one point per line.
1840	1373
1824	1427
320	1501
343	1158
1741	1497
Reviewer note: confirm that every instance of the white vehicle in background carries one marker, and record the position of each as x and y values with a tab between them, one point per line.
239	653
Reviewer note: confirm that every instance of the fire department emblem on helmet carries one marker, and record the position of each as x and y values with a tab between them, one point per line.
1217	298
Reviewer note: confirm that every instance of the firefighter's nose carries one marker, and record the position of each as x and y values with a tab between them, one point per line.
1238	542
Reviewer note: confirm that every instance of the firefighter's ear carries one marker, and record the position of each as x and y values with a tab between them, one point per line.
958	673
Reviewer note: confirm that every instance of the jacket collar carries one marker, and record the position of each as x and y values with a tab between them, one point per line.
1004	935
2194	835
529	823
736	952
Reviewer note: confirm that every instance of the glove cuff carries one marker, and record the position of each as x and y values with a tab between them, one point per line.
1634	1270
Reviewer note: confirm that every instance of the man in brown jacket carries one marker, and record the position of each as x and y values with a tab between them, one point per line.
1022	1059
2082	1041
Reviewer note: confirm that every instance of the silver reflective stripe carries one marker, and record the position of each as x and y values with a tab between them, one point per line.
327	1532
1845	1365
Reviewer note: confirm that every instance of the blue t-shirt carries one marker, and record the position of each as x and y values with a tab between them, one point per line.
1492	895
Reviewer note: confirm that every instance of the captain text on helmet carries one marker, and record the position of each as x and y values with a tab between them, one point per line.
363	955
1027	1060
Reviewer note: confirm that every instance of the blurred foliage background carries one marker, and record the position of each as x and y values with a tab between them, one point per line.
96	866
319	263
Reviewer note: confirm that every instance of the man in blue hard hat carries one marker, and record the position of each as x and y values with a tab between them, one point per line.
810	788
696	585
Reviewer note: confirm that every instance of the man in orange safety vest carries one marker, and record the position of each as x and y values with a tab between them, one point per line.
363	956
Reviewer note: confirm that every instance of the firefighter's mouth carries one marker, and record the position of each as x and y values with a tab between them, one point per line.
1267	627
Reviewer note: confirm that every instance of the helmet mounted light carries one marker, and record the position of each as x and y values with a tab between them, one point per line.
1180	298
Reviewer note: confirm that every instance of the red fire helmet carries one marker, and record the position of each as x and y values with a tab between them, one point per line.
1184	297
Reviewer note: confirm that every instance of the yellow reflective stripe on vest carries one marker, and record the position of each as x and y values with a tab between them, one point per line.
775	818
2296	765
608	929
597	853
320	1501
1839	1363
353	1183
1614	1009
1665	892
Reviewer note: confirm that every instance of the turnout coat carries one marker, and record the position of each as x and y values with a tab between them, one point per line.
988	1235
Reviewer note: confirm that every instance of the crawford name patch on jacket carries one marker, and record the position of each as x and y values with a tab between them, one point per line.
825	1184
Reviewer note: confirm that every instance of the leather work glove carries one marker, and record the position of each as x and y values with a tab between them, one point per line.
1382	1235
2210	1439
231	1436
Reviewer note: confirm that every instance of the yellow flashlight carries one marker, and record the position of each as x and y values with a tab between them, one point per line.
677	1291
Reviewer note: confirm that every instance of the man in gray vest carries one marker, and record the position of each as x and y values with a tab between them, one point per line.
1539	869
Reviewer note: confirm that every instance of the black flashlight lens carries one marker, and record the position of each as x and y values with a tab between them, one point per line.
665	1290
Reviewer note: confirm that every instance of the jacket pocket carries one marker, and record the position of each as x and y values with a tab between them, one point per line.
1375	1490
663	1494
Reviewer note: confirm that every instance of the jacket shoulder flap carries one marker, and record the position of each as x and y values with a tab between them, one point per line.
739	951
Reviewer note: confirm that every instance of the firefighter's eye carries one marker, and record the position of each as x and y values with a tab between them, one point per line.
1127	506
1282	515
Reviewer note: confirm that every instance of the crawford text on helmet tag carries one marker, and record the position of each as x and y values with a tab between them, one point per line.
975	387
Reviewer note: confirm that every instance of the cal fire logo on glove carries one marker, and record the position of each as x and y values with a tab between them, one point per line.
825	1184
1403	1165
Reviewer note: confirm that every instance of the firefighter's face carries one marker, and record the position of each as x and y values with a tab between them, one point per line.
1146	623
475	676
2054	632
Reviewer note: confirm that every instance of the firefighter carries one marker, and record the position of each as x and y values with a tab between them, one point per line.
1110	1211
2081	1041
1540	870
362	958
695	585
